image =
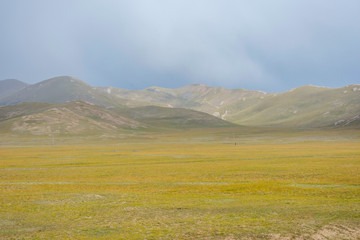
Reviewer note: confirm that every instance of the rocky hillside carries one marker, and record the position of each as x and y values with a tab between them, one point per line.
68	118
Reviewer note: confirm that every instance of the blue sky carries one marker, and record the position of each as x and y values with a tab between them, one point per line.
264	45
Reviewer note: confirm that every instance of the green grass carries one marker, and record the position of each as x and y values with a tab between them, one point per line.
172	187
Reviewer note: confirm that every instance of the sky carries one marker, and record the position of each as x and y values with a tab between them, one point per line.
263	45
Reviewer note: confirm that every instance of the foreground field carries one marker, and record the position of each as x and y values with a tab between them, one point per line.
181	190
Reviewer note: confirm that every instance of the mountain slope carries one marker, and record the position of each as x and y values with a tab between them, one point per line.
69	118
161	117
10	86
74	118
60	90
198	97
306	106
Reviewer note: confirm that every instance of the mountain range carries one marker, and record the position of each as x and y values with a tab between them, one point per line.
64	104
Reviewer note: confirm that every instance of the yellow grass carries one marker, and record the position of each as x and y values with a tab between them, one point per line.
179	190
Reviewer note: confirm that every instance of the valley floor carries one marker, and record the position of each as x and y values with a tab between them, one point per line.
182	185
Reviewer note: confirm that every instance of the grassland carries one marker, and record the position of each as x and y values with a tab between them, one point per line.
270	185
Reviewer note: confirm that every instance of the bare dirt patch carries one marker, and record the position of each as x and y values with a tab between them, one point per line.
328	232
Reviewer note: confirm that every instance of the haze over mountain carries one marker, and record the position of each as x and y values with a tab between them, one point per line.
306	106
59	90
9	86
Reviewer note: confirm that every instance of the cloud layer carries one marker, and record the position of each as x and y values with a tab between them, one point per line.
265	45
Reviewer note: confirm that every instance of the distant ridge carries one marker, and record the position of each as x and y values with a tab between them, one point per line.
83	118
10	86
58	90
305	107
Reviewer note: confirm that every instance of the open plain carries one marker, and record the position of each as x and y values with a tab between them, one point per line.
234	183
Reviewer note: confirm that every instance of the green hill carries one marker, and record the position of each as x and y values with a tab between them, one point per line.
307	106
161	117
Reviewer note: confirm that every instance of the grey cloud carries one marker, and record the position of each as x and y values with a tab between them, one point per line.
266	45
